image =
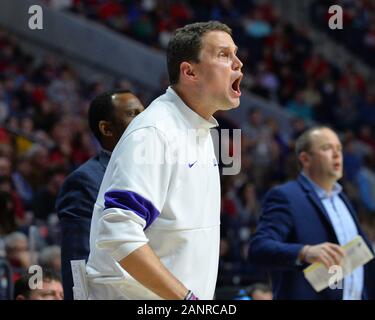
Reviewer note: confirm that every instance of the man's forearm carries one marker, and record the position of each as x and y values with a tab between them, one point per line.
145	266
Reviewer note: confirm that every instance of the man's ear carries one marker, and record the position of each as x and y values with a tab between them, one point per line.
105	128
304	158
187	71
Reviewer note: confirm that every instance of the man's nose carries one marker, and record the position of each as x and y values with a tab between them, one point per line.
237	63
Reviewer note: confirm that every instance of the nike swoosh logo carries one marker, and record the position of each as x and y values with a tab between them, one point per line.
193	163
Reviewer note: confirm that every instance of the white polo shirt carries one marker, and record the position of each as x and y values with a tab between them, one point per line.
161	187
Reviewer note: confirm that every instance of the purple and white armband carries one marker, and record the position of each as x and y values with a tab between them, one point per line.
190	296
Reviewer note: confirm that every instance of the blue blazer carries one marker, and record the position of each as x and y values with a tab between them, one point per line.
74	206
292	216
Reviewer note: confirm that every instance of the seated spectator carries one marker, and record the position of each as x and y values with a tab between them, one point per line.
300	108
51	288
311	94
17	253
38	157
50	258
253	127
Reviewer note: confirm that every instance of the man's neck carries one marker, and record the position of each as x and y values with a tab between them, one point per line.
107	145
325	185
192	102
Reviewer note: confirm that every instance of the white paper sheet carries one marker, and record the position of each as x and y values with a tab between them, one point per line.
357	254
80	290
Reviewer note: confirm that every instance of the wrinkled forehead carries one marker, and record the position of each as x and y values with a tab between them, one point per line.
50	284
216	40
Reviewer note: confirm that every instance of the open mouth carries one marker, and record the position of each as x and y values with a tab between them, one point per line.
236	86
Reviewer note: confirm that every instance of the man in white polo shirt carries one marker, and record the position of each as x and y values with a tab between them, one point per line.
156	223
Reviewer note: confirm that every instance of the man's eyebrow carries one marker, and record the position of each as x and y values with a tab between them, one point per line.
329	144
228	47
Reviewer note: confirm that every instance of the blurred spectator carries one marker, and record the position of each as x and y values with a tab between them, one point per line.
21	177
300	108
5	166
352	158
17	253
311	95
266	83
50	258
316	66
366	135
45	198
254	125
63	90
255	26
51	287
6	185
352	79
345	114
365	181
248	207
38	157
367	110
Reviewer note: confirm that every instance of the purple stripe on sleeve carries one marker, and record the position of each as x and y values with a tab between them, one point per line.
133	202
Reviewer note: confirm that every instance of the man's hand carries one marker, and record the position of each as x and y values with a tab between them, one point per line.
329	254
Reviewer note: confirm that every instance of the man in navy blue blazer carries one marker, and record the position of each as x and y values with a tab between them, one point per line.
308	220
109	115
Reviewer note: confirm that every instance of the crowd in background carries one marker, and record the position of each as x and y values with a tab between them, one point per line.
358	35
281	62
44	133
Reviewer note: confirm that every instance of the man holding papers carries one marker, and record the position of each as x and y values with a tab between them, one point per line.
309	220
